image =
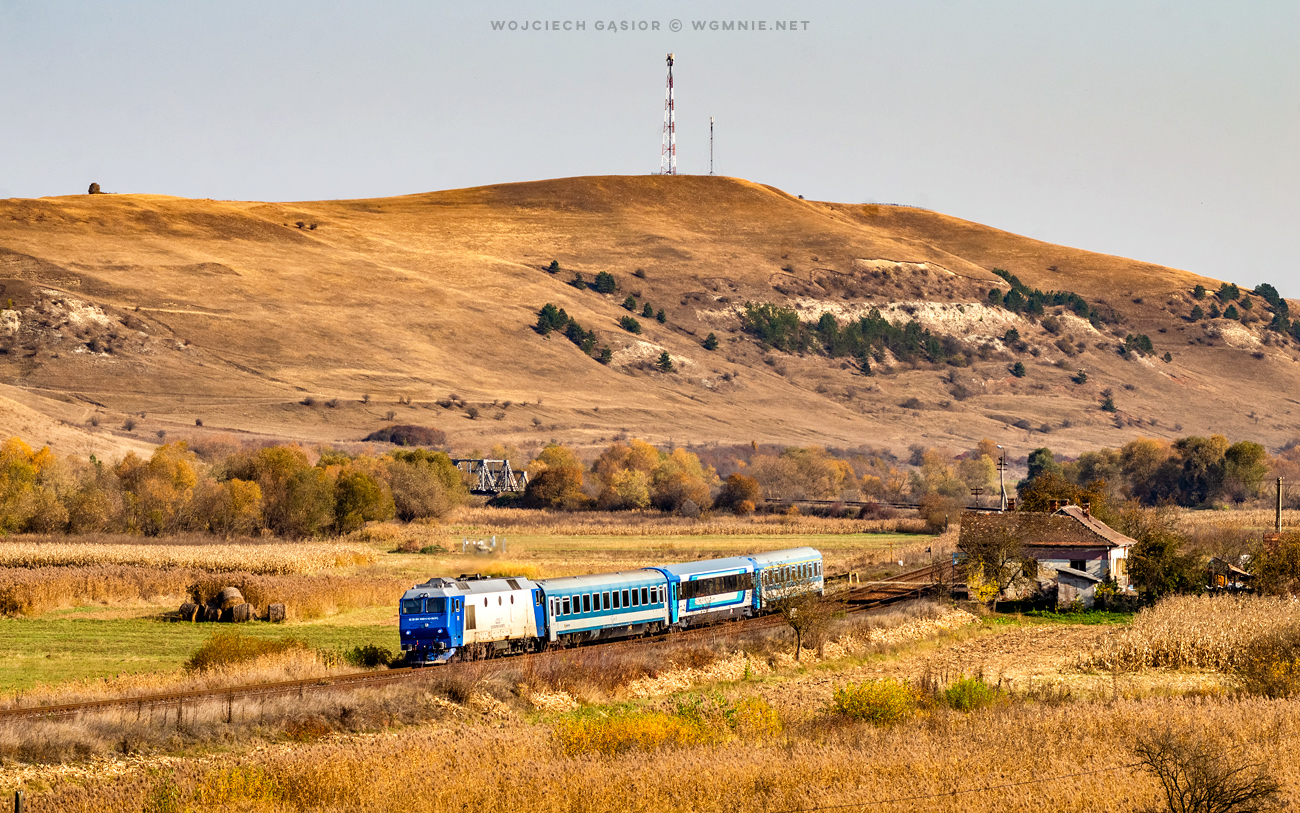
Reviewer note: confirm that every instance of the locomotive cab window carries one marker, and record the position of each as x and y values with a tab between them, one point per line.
411	605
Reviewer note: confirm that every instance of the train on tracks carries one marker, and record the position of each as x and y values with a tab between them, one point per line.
471	618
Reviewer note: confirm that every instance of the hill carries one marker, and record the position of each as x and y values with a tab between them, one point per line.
278	319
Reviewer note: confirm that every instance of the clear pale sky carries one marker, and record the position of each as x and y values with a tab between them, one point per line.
1163	131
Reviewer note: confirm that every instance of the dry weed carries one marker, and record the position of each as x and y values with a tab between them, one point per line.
481	520
1067	758
279	558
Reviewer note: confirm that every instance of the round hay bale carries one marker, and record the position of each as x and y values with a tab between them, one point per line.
275	613
211	614
241	613
189	611
229	597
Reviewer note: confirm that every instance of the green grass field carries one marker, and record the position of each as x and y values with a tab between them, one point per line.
62	647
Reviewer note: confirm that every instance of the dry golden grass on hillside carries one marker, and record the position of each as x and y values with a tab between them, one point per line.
1071	757
150	277
207	553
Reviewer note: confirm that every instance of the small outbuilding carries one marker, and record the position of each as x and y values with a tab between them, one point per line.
1075	585
1223	576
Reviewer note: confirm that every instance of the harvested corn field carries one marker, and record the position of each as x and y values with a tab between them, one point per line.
1194	632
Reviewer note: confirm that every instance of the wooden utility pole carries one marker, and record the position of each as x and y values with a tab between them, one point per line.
1277	516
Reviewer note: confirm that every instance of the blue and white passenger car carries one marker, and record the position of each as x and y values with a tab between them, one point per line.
710	590
606	605
473	616
781	573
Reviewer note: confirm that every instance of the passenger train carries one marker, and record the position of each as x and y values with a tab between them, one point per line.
473	617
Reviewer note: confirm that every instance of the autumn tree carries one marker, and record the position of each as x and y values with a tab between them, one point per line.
737	490
555	480
995	563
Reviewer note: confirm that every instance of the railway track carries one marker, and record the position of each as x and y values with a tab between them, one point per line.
858	598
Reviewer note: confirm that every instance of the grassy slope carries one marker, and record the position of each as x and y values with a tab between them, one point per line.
426	294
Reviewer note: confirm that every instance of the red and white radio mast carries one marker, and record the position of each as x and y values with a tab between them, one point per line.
668	151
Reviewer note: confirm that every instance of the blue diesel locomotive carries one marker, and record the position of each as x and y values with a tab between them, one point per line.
473	617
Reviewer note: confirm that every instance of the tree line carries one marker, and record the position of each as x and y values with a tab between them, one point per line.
274	488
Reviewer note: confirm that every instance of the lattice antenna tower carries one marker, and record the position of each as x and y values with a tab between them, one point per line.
668	150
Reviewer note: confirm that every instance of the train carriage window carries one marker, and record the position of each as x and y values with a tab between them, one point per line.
617	605
645	595
636	597
586	602
604	600
625	599
566	606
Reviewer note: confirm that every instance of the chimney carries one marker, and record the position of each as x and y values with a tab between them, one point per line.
1053	506
1011	503
1087	508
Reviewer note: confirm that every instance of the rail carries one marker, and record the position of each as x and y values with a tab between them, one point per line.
866	503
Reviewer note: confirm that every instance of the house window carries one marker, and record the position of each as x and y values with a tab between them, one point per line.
1079	564
1119	568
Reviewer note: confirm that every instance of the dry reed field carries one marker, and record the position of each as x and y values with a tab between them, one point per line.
658	523
1238	519
1017	756
35	590
211	554
1193	632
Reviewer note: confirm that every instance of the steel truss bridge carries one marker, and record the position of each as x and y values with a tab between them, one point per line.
492	476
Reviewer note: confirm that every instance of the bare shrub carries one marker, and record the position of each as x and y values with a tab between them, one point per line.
230	647
409	435
1199	775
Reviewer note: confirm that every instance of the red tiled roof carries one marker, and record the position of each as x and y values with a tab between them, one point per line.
1098	527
